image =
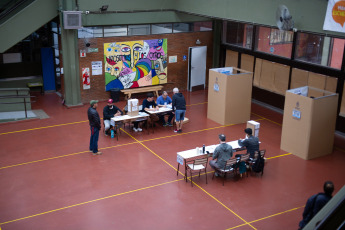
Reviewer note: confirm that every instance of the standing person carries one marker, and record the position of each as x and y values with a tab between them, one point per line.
164	101
222	153
95	126
179	108
251	143
110	111
316	202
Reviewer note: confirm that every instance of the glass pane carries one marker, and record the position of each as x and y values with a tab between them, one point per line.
54	27
202	26
183	27
336	57
138	30
90	32
309	48
115	31
274	41
238	34
161	28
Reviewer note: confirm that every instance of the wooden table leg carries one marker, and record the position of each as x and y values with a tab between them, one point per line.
178	168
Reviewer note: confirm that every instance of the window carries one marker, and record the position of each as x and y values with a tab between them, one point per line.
239	34
161	29
319	49
183	27
115	31
274	41
90	32
202	26
138	30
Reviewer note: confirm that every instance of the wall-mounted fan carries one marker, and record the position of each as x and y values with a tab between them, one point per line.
283	18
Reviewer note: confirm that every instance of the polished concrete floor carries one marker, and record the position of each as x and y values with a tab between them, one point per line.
49	179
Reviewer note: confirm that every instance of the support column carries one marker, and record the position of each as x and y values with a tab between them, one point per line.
70	59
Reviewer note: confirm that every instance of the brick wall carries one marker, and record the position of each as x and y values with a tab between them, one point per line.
178	45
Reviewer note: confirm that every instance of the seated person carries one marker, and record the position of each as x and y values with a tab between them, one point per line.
164	101
136	122
251	143
109	111
222	153
149	104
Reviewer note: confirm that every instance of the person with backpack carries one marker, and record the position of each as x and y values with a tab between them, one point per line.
316	202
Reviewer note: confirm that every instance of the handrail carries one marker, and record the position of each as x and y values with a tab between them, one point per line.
19	97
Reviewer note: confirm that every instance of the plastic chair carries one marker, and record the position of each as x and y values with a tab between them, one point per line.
197	165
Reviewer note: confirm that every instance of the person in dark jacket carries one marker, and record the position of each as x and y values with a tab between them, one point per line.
95	126
316	202
251	143
222	153
110	111
179	109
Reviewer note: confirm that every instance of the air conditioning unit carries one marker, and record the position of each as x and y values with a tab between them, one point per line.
72	19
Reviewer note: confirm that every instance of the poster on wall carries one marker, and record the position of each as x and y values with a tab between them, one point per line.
96	67
335	16
86	78
134	64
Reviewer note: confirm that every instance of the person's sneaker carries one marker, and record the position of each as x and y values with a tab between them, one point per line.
175	130
135	130
216	174
98	153
165	124
90	151
179	131
139	129
169	124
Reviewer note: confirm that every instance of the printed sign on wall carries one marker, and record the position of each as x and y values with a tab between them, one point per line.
86	78
134	64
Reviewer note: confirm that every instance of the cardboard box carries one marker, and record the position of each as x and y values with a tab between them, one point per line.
255	126
309	122
133	107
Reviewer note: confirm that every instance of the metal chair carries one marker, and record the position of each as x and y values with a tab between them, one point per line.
229	167
197	165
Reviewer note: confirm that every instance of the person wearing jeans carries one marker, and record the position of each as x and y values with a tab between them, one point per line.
95	126
179	108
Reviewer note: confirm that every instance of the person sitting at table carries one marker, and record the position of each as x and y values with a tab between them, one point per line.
164	101
250	142
110	111
149	104
222	153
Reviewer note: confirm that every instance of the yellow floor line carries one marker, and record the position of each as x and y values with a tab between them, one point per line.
267	119
266	217
282	155
51	126
67	155
189	179
91	201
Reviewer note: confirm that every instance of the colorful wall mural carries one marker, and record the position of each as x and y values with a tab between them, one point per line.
135	63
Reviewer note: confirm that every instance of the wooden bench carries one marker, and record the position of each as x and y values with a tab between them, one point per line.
36	85
128	92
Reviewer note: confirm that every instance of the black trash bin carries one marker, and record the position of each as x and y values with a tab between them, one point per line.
115	94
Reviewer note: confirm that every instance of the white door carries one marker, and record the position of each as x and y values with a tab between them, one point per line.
197	66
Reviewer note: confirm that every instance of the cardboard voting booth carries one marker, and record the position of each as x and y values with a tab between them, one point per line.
229	95
309	122
255	126
133	107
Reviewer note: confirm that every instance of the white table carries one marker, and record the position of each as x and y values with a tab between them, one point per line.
127	117
160	110
183	156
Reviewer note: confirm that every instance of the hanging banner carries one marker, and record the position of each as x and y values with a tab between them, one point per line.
86	78
335	16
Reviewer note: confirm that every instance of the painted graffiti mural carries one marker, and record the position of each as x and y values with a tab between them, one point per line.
135	63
